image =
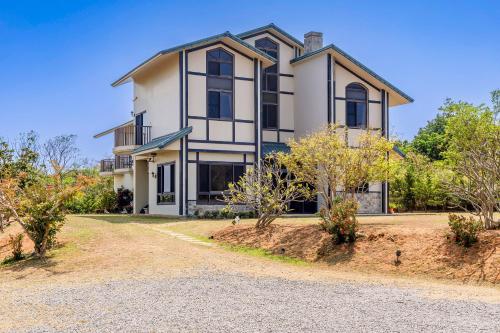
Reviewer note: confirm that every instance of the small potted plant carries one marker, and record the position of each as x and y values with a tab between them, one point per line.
392	208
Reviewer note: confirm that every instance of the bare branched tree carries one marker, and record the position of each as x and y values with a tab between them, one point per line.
268	189
61	150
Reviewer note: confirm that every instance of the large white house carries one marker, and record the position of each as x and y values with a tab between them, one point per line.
206	110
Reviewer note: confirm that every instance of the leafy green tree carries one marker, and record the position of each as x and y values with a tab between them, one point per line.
431	140
473	155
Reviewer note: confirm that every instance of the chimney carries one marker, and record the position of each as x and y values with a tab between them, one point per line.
313	41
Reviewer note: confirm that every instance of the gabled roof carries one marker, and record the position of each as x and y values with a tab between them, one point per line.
220	37
163	141
274	147
339	54
111	130
275	28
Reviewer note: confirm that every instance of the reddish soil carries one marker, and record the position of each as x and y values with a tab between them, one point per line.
427	252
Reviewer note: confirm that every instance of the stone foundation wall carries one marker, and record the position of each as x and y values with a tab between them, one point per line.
193	207
370	203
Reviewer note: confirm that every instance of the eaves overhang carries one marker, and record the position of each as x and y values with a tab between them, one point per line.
224	37
347	60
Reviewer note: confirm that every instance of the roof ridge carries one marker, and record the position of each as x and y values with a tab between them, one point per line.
275	27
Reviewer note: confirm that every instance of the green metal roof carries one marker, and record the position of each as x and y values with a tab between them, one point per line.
274	27
163	141
199	42
274	147
357	63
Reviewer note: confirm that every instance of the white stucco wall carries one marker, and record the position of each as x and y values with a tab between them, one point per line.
310	95
163	209
156	91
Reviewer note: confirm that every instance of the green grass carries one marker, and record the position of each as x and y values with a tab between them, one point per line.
124	218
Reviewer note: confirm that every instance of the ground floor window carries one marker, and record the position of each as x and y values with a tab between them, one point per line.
165	180
213	180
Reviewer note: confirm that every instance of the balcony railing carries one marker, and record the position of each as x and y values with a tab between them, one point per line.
123	162
132	135
107	165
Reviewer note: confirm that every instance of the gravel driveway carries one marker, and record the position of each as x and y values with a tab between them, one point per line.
211	301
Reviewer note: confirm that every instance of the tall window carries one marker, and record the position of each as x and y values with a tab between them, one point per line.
219	84
165	182
213	180
356	105
269	85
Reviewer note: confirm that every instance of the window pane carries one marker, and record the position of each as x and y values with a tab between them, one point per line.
361	114
272	83
226	69
270	98
213	104
239	170
166	178
219	83
272	116
226	105
264	116
203	174
213	68
220	175
225	56
356	92
272	69
351	114
273	54
213	55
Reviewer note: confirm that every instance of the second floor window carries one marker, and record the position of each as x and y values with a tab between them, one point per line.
270	79
356	105
220	84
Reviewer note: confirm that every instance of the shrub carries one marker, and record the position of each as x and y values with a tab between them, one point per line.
124	199
16	244
466	230
223	214
340	220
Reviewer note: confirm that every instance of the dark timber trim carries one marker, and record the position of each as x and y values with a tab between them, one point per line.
219	43
222	142
270	33
181	121
286	75
243	78
286	130
255	104
220	151
286	92
186	139
329	87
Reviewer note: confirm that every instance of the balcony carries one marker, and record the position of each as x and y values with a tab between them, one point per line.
129	137
123	163
107	166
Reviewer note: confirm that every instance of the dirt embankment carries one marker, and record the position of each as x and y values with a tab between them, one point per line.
430	252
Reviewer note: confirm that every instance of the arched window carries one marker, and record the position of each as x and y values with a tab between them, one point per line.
269	85
356	105
220	84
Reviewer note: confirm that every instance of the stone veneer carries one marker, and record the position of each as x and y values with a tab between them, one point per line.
370	203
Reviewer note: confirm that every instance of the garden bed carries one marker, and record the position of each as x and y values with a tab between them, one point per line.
427	252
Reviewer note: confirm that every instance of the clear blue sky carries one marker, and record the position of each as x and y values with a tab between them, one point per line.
58	58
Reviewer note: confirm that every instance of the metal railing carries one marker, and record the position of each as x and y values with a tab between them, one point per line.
123	162
132	136
107	165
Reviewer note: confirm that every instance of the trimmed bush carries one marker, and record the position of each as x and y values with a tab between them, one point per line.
340	220
465	229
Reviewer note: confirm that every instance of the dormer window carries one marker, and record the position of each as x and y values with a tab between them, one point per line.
356	105
220	75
